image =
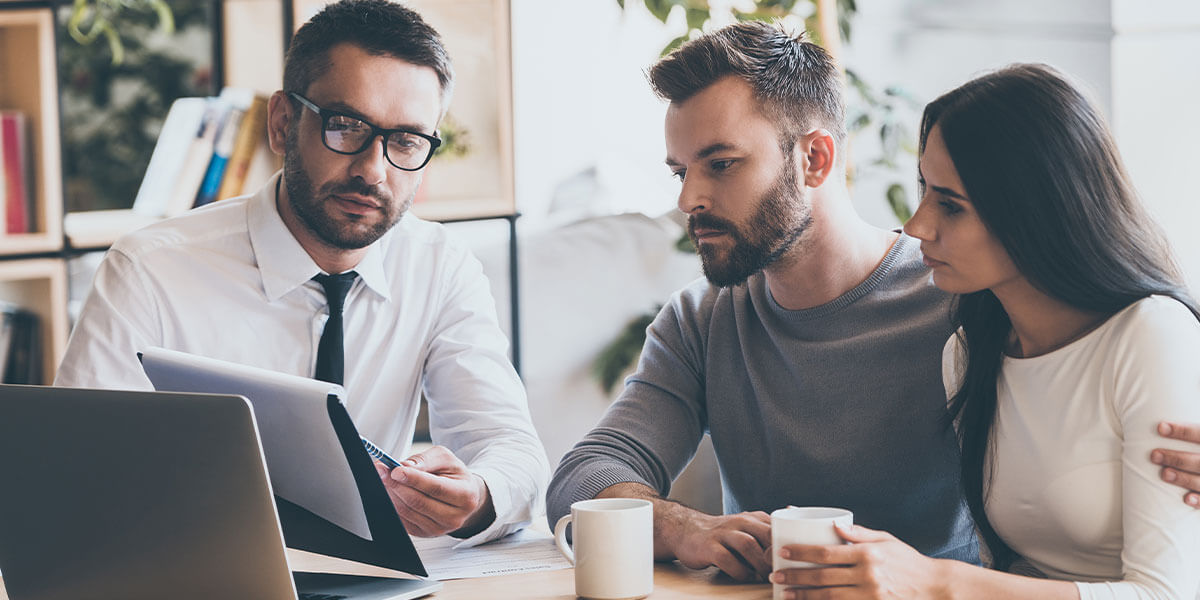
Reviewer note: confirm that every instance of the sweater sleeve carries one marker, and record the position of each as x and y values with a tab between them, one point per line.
1156	377
651	432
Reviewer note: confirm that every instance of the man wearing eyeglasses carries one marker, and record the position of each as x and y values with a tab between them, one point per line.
321	274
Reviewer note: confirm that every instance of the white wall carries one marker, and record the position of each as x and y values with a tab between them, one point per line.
582	104
581	101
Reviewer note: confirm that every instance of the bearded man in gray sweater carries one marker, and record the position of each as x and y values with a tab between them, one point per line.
811	351
811	354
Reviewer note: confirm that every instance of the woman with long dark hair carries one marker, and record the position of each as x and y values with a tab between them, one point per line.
1077	337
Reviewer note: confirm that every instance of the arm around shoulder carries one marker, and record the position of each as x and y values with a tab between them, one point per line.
1157	378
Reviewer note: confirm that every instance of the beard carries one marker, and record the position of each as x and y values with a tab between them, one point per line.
346	232
782	217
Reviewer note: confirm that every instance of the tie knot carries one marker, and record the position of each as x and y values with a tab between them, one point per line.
336	288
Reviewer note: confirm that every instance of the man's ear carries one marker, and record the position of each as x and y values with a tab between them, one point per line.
280	112
820	154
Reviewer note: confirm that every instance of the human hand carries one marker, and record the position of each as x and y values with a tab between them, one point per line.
874	565
434	493
737	544
1178	467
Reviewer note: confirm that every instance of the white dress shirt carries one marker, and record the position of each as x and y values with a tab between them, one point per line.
1073	490
229	281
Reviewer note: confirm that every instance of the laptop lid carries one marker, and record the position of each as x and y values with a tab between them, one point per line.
147	495
116	494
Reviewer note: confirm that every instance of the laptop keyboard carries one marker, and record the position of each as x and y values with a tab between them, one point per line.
304	596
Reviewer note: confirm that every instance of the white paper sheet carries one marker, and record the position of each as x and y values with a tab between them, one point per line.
525	551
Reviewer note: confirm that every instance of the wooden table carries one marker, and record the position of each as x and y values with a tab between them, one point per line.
671	582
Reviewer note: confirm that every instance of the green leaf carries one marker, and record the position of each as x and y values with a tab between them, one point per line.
166	20
675	43
114	43
684	244
106	15
785	6
862	88
846	10
860	122
898	199
80	12
619	355
661	9
621	3
903	95
904	138
696	17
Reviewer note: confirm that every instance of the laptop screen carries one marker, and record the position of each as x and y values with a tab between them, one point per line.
116	494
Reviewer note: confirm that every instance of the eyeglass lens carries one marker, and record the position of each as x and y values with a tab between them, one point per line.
350	135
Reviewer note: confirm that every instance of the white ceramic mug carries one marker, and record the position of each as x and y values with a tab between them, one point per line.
613	547
804	525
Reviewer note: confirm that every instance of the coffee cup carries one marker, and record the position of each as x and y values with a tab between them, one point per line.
810	525
613	551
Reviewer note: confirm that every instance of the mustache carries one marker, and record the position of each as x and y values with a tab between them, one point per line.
357	187
707	221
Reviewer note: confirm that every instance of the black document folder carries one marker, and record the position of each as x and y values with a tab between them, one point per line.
390	547
287	408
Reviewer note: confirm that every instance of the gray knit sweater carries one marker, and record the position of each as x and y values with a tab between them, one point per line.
839	405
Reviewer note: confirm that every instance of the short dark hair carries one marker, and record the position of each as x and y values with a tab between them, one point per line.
797	81
379	27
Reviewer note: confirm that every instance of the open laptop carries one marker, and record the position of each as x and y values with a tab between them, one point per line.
147	495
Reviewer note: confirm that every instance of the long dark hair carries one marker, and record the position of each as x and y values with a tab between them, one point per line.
1041	169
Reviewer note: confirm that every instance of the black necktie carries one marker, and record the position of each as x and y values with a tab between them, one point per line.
330	351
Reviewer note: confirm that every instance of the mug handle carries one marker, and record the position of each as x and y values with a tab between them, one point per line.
560	538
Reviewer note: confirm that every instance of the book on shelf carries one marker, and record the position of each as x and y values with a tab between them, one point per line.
3	193
20	346
205	164
196	159
222	149
17	166
177	163
251	137
209	148
184	119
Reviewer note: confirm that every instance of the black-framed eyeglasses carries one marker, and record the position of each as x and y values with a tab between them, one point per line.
344	134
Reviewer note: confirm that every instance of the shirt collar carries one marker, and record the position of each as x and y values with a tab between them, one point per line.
283	263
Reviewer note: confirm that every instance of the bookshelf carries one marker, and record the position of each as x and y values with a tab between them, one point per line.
32	271
28	83
40	286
